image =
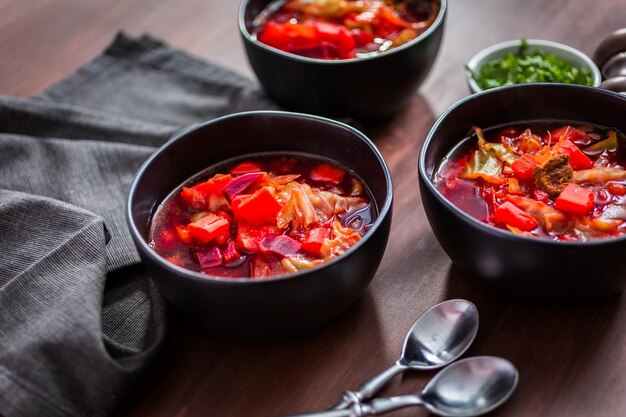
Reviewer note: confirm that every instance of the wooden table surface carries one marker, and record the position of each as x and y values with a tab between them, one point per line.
572	362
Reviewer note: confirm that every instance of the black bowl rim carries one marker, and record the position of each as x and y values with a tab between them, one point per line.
196	276
248	36
496	232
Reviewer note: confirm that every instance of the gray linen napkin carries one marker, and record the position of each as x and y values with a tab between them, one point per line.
79	318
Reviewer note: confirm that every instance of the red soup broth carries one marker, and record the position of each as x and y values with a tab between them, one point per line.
562	181
262	215
343	29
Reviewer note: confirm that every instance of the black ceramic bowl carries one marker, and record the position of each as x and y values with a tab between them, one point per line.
364	88
529	268
271	306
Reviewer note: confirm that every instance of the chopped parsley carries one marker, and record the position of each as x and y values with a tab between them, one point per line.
528	66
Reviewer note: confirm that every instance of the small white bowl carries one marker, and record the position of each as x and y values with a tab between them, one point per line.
564	52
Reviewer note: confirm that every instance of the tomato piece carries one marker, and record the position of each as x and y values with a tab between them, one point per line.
523	167
508	213
258	208
327	173
245	168
577	159
575	199
314	239
210	227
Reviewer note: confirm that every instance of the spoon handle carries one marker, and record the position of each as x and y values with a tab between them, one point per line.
349	412
384	405
374	407
371	387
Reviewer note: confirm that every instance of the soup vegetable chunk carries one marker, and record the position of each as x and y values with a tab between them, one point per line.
262	217
343	29
567	183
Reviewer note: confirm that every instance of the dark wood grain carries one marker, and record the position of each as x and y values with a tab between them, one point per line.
572	362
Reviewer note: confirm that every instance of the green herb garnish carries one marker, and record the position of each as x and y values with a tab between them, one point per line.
529	67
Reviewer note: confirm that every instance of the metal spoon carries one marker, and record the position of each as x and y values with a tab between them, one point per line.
440	336
469	387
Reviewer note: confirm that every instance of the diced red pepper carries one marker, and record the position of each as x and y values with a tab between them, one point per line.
193	198
314	239
241	183
219	181
338	36
509	213
577	159
523	167
230	253
248	237
198	196
327	173
225	215
209	257
361	38
183	234
288	35
245	168
575	199
210	227
567	133
281	245
258	208
311	36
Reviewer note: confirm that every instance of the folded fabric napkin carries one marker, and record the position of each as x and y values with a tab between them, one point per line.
79	317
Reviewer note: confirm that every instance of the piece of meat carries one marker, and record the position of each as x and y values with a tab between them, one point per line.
554	175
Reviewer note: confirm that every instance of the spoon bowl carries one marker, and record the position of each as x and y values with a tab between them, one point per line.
470	387
441	335
467	388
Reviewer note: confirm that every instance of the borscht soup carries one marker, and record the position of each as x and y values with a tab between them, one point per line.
263	215
560	181
343	29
